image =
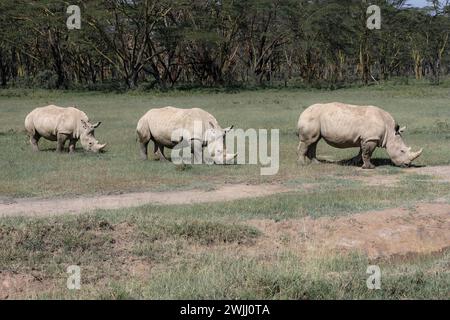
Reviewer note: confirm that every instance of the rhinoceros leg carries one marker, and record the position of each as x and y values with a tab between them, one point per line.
143	149
307	152
61	141
302	150
367	149
34	140
357	160
159	152
197	151
72	144
312	152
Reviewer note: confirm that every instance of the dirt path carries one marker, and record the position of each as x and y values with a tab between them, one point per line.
424	228
48	207
442	173
372	178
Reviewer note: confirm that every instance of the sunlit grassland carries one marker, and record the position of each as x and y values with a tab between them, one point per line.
424	109
199	251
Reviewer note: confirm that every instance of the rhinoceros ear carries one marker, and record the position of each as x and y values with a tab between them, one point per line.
399	130
97	124
226	130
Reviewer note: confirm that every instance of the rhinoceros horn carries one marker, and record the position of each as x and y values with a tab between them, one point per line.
415	155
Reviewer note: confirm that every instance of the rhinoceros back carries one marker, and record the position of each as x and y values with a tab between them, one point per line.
342	125
163	124
50	120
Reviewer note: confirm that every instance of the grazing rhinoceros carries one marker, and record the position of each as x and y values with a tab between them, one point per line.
347	126
62	124
172	127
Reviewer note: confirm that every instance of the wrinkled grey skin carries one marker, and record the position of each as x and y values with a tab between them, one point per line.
61	124
349	126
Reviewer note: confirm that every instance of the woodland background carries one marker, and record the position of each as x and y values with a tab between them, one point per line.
127	44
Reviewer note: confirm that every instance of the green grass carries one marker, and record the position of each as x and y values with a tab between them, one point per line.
201	250
191	258
291	277
204	232
326	200
424	109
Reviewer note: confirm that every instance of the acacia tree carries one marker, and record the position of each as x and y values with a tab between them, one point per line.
41	41
220	42
123	32
437	35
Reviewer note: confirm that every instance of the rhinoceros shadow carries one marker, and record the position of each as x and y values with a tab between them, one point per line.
66	150
53	149
378	162
49	149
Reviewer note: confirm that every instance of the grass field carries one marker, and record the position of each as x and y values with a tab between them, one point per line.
424	109
209	250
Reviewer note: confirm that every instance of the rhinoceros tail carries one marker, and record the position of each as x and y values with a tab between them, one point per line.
143	131
29	125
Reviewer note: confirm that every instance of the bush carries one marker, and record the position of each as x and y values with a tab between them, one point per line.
46	79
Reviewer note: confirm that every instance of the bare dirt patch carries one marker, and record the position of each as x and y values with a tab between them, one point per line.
373	178
376	180
424	228
18	285
48	207
442	173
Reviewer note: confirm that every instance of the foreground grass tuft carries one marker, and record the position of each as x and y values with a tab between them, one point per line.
154	256
203	232
290	277
44	244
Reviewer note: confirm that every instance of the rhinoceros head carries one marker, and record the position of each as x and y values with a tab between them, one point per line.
400	154
215	138
87	137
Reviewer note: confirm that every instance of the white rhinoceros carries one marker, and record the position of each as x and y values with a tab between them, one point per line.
61	124
348	126
171	127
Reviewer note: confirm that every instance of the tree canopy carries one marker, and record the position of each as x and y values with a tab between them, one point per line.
165	43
